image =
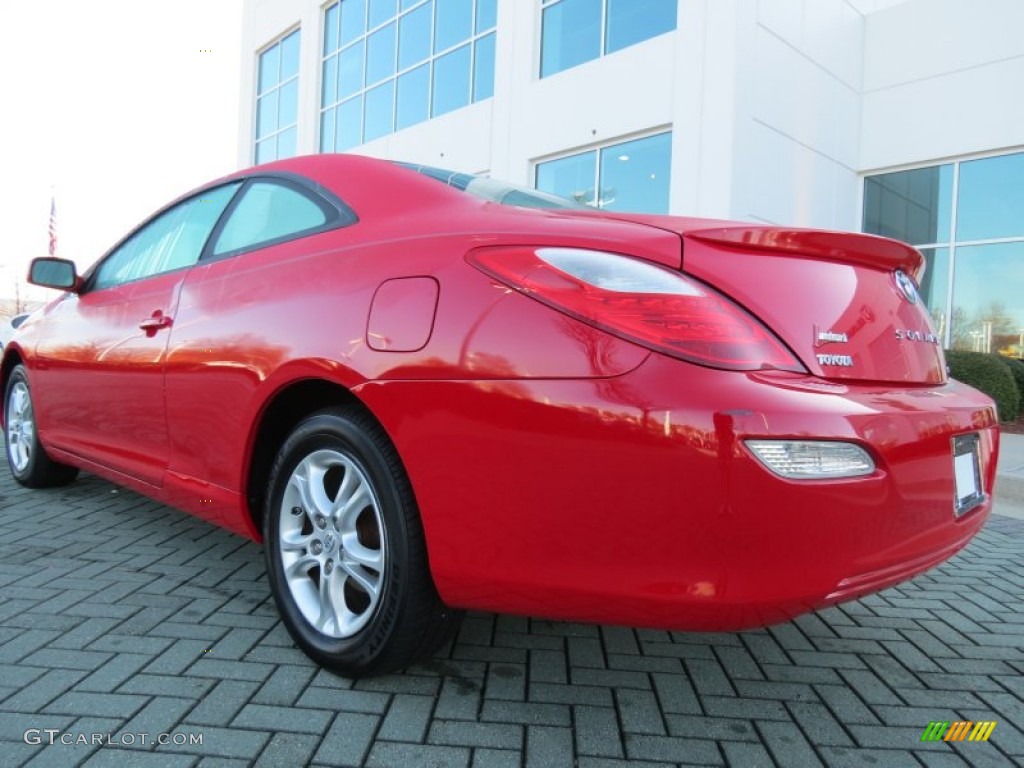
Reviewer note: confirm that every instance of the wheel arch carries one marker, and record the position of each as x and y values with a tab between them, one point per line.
277	418
12	359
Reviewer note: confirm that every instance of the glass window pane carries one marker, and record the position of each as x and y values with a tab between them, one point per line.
635	175
266	114
405	4
414	36
286	143
413	96
329	86
487	14
988	304
266	150
270	62
570	177
266	212
935	287
483	68
451	81
350	70
350	124
380	108
331	29
571	35
380	54
288	96
290	56
912	206
632	21
172	241
327	131
454	23
381	11
353	20
991	198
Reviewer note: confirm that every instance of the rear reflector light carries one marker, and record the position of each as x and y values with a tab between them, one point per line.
644	303
812	459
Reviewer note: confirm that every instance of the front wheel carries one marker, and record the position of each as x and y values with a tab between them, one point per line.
346	556
29	462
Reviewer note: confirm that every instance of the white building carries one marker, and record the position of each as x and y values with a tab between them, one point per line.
900	117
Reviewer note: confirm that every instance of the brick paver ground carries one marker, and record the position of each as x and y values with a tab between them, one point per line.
121	616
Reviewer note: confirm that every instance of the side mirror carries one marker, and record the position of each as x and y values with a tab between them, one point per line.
54	273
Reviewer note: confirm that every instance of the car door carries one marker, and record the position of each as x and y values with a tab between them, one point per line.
98	367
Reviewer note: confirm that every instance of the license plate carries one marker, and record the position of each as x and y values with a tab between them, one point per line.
967	474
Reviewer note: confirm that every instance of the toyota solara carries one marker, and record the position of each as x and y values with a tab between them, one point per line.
427	392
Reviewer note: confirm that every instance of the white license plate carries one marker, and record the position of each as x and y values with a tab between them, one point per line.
966	473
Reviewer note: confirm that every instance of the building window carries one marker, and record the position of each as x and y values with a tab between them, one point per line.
389	64
277	100
965	218
576	31
630	176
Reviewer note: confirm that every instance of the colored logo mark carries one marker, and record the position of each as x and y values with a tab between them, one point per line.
960	730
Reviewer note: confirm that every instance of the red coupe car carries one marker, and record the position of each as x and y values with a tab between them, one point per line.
428	391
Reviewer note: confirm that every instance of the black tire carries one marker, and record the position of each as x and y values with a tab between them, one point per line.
406	621
29	463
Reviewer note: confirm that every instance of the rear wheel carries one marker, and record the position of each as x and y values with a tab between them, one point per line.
346	556
29	463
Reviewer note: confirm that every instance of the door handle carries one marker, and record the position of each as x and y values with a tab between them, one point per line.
153	324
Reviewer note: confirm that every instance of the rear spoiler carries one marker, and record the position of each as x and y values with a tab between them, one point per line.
843	247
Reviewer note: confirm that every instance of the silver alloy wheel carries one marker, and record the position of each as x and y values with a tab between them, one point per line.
332	543
21	426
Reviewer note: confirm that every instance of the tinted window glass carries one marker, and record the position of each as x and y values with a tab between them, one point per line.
277	99
453	23
380	108
571	35
172	241
570	177
380	54
486	14
414	36
988	305
483	68
912	206
451	81
268	211
353	20
635	174
991	198
633	21
413	96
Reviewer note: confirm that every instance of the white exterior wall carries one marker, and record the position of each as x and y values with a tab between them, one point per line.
942	79
778	107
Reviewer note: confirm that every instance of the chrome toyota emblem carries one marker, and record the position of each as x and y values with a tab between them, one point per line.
907	288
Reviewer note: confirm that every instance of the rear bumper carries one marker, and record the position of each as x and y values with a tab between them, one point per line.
633	500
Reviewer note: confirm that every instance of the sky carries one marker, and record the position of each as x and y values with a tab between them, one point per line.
117	107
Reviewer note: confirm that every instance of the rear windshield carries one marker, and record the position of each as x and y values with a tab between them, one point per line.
496	191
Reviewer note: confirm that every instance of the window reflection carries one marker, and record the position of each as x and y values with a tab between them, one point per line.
935	287
988	305
277	99
629	176
633	21
410	55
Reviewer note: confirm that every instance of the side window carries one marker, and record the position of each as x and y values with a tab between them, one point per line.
171	241
268	212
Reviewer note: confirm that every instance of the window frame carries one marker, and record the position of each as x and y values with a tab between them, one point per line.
360	94
278	129
599	149
602	42
951	243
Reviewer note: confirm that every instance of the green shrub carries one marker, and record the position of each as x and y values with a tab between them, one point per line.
1017	369
988	373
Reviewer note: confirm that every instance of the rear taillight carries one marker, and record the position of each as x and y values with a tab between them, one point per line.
652	306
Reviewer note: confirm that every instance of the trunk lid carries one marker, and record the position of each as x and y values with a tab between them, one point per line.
845	303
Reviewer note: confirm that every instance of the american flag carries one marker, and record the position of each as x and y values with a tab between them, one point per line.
53	226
